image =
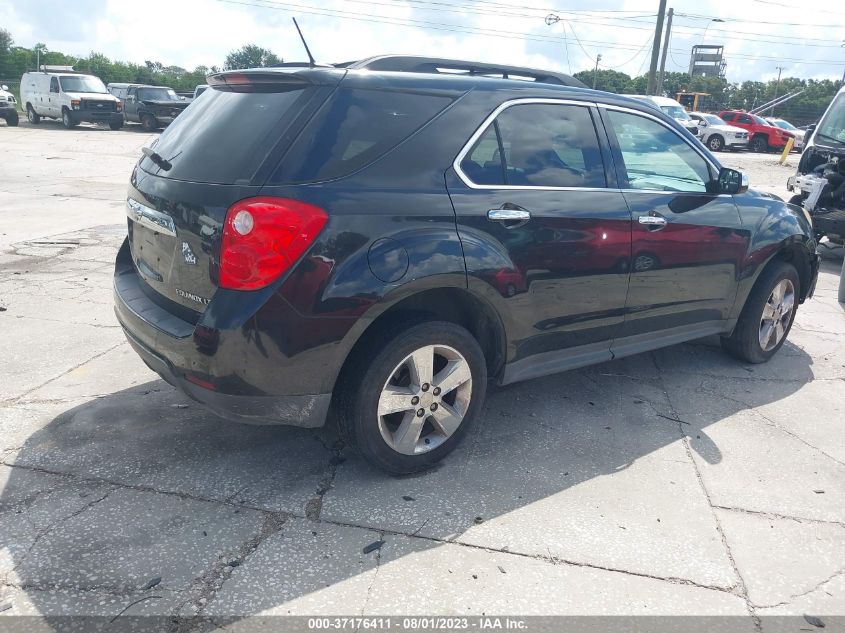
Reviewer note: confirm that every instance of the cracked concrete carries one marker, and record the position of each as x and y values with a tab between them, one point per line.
680	482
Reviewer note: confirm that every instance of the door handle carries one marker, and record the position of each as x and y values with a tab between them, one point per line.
511	218
653	222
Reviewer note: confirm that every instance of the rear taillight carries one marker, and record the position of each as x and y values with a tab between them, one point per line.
263	237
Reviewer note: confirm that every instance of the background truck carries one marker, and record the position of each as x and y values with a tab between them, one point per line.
151	106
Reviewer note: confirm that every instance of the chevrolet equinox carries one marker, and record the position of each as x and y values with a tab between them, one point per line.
375	242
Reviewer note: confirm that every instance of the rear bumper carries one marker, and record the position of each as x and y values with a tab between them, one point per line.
168	345
308	411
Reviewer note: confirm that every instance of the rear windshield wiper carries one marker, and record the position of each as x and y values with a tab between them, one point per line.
156	158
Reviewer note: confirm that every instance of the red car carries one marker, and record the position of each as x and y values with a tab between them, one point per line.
762	134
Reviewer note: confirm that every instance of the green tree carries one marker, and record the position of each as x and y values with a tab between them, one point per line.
250	56
607	80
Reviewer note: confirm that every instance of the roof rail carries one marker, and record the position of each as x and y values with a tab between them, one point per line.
436	65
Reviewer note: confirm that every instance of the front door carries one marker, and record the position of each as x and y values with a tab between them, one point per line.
54	108
545	232
687	243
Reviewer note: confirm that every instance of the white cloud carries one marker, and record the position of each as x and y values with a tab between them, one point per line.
193	32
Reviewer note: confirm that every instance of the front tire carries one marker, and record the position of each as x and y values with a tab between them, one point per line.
409	402
12	120
31	115
760	144
716	143
115	125
67	120
767	316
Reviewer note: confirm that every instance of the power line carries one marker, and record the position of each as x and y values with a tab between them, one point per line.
456	28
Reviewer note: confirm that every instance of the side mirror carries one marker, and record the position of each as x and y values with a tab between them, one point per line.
702	123
732	182
4	87
809	133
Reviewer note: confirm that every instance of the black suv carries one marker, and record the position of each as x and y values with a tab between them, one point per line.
373	243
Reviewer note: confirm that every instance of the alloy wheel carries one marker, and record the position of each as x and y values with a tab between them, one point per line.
425	399
777	313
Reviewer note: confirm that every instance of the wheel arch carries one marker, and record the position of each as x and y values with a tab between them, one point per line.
449	303
794	251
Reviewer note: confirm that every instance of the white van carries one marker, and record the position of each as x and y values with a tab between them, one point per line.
59	92
673	109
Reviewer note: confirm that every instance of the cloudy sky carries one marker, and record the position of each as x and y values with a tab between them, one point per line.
758	35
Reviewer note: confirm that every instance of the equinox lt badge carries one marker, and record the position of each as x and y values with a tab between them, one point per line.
192	297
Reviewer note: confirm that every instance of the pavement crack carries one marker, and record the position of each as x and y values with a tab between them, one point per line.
314	506
64	373
813	589
381	535
741	587
775	515
207	585
47	530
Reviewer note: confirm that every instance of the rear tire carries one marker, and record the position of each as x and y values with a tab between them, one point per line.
31	115
760	144
407	403
716	143
767	316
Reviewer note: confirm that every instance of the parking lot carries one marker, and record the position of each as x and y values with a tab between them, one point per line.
679	482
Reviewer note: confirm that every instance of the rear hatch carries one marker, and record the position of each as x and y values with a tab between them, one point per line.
216	152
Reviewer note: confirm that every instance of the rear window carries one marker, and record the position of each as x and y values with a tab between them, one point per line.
224	137
354	129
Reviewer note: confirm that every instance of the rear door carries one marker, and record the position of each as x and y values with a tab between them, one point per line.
544	227
688	243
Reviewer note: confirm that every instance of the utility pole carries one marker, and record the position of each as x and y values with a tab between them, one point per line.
655	48
777	87
665	51
596	71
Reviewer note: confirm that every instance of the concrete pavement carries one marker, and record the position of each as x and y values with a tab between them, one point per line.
680	482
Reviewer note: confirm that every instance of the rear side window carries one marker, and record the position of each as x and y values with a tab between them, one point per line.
356	127
544	145
224	137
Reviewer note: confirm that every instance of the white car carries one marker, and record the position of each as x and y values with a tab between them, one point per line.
673	109
717	135
786	125
59	92
8	106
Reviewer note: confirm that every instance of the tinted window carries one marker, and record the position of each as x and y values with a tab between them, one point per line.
225	136
744	119
355	128
54	84
545	145
728	116
655	157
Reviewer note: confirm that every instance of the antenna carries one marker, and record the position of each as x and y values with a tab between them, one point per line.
304	43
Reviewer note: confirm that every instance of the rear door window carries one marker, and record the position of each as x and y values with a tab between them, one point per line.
355	128
544	145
